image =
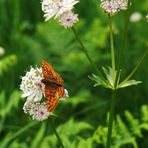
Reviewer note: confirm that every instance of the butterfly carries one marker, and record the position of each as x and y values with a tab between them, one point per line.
53	86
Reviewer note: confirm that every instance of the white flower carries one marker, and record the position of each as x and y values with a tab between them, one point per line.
65	96
135	17
111	7
40	112
122	4
56	7
114	6
2	51
68	19
32	86
147	17
37	110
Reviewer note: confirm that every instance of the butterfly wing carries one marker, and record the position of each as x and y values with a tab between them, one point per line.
52	97
49	73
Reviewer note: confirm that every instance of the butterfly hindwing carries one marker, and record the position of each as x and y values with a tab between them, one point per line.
52	97
49	73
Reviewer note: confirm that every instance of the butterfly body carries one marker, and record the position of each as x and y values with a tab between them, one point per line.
53	86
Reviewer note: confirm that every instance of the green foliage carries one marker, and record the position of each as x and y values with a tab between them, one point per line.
111	81
124	132
13	102
7	63
27	40
69	131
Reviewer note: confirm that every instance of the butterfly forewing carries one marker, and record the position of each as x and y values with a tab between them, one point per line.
49	73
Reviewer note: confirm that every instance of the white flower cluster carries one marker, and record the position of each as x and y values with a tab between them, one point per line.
32	86
147	17
135	17
61	10
2	51
33	89
114	6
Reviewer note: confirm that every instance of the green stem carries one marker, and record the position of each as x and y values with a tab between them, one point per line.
57	136
136	67
22	130
111	117
112	45
86	53
124	37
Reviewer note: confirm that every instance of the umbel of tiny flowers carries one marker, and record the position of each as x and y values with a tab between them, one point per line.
32	86
34	91
113	6
60	10
68	19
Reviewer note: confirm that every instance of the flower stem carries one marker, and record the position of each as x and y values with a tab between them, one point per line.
124	37
86	53
111	117
57	136
136	67
112	45
112	106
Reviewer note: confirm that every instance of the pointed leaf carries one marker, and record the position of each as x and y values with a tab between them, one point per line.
128	83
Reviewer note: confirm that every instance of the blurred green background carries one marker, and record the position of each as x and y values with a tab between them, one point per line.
81	119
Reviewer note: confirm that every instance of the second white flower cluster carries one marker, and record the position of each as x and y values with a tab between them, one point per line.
113	6
61	10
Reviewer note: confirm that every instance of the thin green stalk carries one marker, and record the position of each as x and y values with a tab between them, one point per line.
58	137
21	131
111	117
86	53
136	67
112	45
124	37
24	129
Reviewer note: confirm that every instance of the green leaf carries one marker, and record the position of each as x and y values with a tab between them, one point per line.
7	63
134	123
69	131
99	81
128	83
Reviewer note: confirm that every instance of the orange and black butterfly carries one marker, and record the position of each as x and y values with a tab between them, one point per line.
53	86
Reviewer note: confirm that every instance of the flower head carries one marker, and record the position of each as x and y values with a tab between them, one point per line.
55	8
31	84
37	110
40	112
135	17
111	7
68	19
122	4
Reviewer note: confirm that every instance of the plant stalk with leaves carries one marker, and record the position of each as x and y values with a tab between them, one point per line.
112	75
112	80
